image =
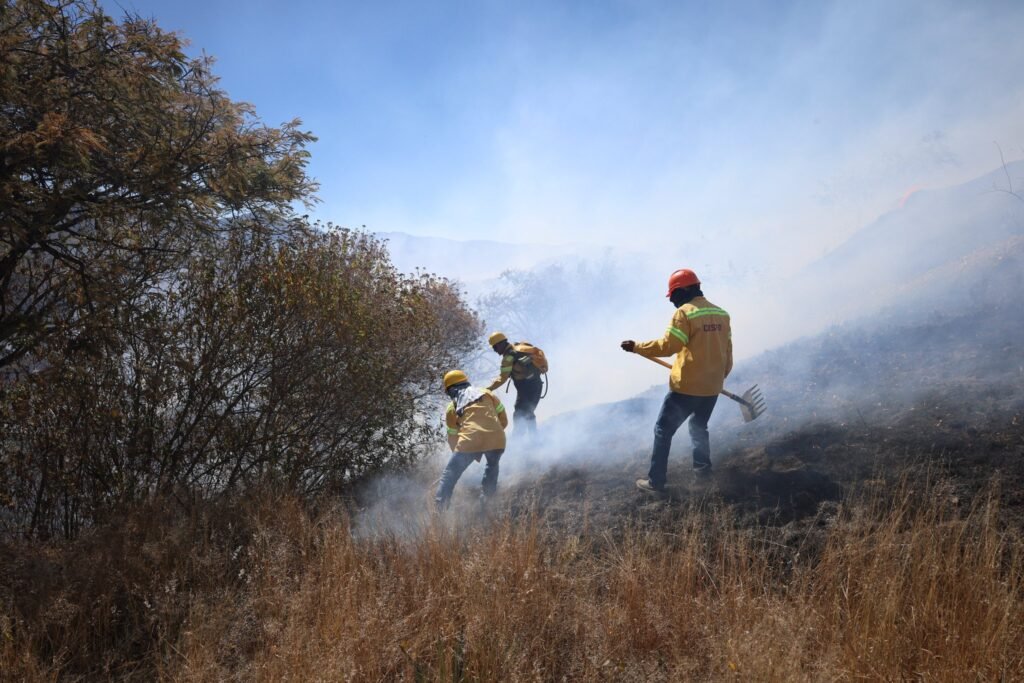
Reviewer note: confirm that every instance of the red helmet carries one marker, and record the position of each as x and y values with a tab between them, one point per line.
684	277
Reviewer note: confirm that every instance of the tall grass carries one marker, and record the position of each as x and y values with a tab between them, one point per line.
904	586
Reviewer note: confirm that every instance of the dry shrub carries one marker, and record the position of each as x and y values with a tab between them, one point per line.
116	601
918	589
908	586
904	586
306	362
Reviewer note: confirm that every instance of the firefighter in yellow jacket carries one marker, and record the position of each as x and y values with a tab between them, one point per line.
700	338
476	422
518	363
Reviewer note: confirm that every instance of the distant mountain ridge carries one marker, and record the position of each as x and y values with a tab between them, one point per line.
471	260
478	262
934	228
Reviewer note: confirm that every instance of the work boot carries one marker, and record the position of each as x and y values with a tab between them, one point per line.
484	506
646	486
703	478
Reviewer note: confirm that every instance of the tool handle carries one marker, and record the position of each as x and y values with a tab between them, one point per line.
724	392
738	399
657	360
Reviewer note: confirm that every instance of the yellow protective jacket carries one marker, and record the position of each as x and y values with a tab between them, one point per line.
480	427
701	339
515	363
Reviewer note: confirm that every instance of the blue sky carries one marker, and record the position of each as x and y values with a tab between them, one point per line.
772	129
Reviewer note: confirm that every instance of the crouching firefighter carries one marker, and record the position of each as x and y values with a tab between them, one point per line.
526	365
476	422
700	337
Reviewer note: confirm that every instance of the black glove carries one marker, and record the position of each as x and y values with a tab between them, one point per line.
628	345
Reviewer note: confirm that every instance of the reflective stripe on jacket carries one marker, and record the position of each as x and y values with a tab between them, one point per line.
701	339
515	363
481	427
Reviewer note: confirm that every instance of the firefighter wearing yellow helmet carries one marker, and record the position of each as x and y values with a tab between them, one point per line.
526	365
476	423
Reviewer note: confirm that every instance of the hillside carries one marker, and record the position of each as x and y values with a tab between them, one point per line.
933	377
224	416
939	390
931	228
937	232
868	526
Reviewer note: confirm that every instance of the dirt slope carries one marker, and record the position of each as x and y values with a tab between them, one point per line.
969	441
937	394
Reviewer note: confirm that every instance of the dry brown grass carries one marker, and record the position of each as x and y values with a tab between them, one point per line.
902	586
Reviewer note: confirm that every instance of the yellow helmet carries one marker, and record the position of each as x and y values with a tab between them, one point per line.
453	377
496	337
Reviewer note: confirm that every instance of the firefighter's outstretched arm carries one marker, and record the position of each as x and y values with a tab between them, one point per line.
671	343
506	372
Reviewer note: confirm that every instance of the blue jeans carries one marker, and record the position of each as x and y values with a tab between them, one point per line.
674	412
457	464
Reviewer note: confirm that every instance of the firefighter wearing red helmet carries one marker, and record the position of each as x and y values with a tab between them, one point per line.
700	338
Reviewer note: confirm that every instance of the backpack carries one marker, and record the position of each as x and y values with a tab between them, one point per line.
537	357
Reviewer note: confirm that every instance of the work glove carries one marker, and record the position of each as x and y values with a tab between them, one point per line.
628	345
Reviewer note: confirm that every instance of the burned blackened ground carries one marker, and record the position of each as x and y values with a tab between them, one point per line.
868	408
863	409
800	476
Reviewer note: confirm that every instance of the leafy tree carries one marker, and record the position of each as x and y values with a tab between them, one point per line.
118	155
189	335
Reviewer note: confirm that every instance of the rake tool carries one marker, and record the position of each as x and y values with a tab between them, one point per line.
752	403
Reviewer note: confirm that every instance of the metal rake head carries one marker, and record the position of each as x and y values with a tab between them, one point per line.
753	404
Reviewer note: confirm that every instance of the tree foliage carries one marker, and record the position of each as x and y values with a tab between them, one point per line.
169	328
119	153
304	364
